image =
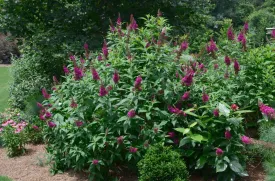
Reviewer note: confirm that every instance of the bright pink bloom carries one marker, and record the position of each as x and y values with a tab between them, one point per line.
72	57
227	134
55	80
66	70
73	104
45	94
185	96
216	112
95	162
183	46
79	123
205	97
133	149
102	91
41	117
105	49
1	129
133	25
95	74
172	134
187	80
138	82
230	33
246	140
5	124
241	36
51	124
39	105
266	110
99	58
272	34
219	152
35	127
86	46
18	130
227	60
201	66
236	67
78	74
48	114
211	47
118	21
234	107
131	113
116	77
120	140
82	60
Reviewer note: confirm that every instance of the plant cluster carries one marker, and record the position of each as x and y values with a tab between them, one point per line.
114	104
15	132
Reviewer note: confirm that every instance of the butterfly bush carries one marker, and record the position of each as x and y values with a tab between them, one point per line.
141	88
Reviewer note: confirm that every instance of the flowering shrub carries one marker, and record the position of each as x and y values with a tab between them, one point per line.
114	104
15	132
162	163
216	142
12	134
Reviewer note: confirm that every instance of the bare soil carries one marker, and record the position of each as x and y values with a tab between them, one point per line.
32	167
28	167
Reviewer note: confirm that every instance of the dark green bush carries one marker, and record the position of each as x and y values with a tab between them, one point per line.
162	163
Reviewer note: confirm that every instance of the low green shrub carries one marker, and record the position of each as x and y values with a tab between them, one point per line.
162	163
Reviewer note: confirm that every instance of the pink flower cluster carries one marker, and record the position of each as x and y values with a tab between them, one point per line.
18	126
175	110
268	111
211	47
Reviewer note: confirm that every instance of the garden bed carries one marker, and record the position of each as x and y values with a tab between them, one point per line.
31	167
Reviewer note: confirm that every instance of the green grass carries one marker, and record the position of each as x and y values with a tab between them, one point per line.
4	88
4	178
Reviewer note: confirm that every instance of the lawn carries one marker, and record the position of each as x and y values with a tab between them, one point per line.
4	178
4	87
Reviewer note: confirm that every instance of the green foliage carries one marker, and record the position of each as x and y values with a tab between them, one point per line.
207	133
259	65
29	76
162	163
259	21
87	115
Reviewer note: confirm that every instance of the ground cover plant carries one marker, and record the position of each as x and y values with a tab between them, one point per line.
144	88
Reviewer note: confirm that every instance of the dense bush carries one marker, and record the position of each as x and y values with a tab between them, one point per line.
140	87
162	163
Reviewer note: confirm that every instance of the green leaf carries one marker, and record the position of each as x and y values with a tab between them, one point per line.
188	111
201	162
197	137
123	118
184	141
183	130
235	121
221	166
224	110
193	124
243	111
237	168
